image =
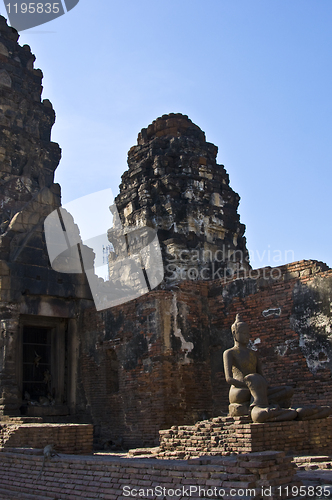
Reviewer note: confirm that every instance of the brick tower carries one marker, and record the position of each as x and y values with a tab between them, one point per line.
175	185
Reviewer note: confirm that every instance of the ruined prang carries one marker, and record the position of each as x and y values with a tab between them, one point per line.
28	157
36	302
175	185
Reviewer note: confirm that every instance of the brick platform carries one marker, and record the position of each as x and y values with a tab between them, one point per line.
225	435
71	477
66	438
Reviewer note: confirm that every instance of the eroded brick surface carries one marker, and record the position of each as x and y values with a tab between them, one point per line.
69	477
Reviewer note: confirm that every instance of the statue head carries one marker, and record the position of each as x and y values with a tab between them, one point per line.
240	330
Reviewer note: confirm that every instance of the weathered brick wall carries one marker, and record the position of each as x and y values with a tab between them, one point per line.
293	344
66	438
71	477
157	380
224	435
169	346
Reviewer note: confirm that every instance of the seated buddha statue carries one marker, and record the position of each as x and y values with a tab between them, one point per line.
250	393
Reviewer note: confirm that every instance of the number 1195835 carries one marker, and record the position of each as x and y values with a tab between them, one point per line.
33	8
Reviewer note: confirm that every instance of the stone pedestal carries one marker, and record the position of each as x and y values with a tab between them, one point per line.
225	435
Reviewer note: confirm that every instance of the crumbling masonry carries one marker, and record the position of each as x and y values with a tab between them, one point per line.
155	361
39	307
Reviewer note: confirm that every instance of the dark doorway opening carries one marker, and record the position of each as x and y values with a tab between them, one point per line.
37	364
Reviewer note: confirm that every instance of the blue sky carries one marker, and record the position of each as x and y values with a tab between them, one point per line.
255	75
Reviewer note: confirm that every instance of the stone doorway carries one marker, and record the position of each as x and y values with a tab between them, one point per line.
37	364
42	366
